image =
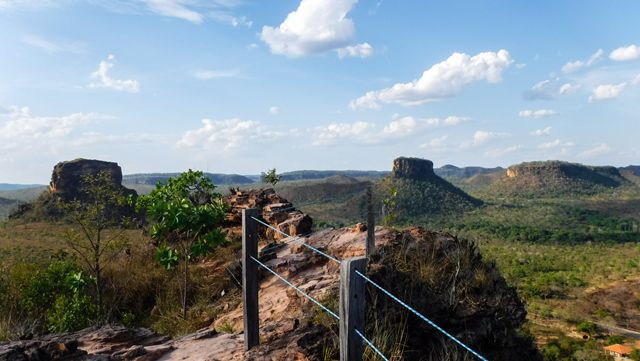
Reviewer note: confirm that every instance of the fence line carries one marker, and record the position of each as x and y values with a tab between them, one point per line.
298	238
373	347
421	316
297	289
352	300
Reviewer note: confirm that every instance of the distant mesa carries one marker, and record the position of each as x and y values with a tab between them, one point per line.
546	177
413	168
66	179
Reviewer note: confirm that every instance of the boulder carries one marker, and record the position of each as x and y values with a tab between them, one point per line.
66	179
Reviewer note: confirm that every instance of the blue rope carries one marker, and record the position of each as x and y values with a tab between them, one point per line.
297	289
371	345
421	316
298	238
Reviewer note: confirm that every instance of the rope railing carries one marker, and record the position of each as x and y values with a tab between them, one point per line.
421	316
325	308
373	347
314	249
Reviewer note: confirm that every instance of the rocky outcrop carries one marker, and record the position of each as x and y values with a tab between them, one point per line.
66	179
276	211
413	168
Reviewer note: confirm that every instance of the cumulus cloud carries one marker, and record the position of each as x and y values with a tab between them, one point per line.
579	64
337	131
541	132
443	80
101	78
552	144
481	137
595	151
541	90
435	143
630	52
540	113
21	128
363	50
607	91
223	136
568	88
316	27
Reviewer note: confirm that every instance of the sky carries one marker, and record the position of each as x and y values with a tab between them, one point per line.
241	86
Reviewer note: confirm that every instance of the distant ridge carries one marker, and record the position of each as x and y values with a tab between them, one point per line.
154	178
321	174
449	171
13	187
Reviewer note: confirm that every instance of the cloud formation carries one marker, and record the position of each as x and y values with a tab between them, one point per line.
541	132
536	114
102	79
316	27
224	136
443	80
625	53
607	92
572	66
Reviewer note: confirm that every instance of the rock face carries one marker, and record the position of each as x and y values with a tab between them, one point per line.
66	178
413	168
276	211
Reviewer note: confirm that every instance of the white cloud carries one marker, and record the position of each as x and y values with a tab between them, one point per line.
435	143
636	80
541	90
630	52
443	80
481	137
541	132
51	46
215	74
360	50
500	152
595	151
578	64
274	110
400	127
455	120
223	136
337	131
315	27
22	129
536	114
568	88
175	8
551	144
103	80
252	46
607	91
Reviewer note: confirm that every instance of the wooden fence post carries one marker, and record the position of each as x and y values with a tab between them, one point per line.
352	308
250	277
371	225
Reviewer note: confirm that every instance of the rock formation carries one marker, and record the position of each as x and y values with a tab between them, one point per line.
276	211
66	179
413	168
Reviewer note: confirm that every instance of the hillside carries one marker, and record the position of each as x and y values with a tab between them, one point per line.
6	207
321	174
451	172
153	178
556	178
11	187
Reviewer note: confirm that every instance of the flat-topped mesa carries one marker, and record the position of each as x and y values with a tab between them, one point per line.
66	179
413	168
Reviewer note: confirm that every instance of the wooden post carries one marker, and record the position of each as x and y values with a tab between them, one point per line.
352	308
371	225
250	277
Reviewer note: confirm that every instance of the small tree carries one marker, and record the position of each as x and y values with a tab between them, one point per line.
98	233
271	177
185	215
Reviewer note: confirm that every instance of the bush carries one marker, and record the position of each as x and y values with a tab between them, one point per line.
589	328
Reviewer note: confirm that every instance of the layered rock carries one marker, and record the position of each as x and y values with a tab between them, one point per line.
276	211
67	177
413	168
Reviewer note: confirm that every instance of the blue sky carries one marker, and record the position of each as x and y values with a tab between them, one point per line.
239	86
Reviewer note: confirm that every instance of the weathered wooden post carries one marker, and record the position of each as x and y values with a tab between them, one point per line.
371	225
352	308
250	277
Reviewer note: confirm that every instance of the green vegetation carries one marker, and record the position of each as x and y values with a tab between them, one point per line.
270	177
185	215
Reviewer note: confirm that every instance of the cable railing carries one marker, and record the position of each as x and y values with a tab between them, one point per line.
352	295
